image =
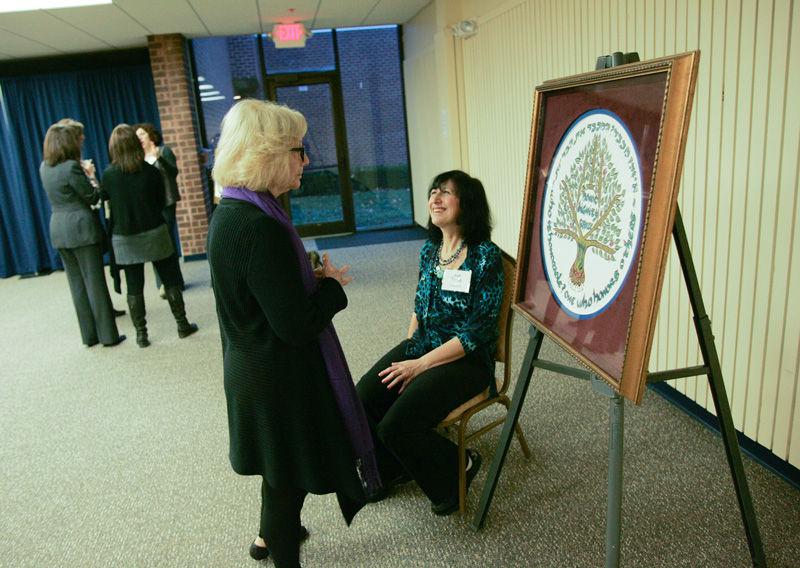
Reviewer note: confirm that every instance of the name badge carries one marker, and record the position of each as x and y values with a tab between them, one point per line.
456	280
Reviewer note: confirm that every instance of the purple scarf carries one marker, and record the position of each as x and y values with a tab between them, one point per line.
353	416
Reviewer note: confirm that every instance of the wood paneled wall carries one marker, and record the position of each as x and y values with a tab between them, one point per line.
739	191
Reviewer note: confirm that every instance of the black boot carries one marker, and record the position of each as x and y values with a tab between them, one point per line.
136	307
175	299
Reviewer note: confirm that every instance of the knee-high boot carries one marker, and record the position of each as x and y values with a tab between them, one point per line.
175	299
136	307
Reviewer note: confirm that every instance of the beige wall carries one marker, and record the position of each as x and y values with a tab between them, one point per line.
470	103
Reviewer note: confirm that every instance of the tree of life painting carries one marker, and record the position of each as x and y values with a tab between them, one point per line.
591	213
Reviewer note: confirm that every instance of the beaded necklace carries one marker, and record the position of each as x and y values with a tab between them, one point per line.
441	263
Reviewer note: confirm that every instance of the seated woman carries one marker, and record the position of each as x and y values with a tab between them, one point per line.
448	356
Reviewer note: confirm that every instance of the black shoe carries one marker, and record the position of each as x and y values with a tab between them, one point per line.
141	338
451	505
261	552
119	340
187	329
117	312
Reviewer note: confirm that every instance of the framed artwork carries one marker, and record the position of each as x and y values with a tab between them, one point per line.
605	161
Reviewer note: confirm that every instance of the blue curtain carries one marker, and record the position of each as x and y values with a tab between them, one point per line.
100	99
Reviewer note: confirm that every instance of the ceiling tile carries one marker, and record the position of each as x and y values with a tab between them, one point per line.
107	23
394	12
334	14
231	17
127	23
16	47
166	16
45	29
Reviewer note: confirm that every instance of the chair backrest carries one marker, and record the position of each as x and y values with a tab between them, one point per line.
503	350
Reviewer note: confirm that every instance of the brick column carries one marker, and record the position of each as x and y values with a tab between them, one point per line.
169	62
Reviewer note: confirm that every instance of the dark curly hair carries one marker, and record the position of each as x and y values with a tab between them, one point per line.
475	219
151	130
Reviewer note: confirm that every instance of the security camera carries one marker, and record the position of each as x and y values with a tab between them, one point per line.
464	29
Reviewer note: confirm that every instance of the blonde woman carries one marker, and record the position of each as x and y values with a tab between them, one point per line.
293	415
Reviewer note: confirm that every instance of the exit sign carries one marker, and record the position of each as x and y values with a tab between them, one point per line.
289	35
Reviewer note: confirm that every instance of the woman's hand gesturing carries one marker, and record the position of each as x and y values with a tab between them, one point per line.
338	274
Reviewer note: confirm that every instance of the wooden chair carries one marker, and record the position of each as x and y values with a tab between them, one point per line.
462	415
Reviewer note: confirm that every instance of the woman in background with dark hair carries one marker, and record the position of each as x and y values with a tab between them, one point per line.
136	194
448	354
162	157
76	232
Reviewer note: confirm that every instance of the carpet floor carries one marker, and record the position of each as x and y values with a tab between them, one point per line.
118	456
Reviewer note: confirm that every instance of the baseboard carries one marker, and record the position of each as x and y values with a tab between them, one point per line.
40	272
372	237
759	453
193	257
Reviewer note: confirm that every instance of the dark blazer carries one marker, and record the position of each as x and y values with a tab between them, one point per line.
167	164
73	223
283	419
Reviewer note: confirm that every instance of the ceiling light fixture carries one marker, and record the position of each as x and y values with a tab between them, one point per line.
32	5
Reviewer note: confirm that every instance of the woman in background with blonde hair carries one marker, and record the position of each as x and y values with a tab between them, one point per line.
136	194
293	414
76	232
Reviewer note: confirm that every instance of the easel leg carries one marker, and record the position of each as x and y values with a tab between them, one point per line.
506	436
616	435
711	359
616	419
731	443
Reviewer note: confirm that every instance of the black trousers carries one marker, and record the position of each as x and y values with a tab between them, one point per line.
172	225
87	284
166	267
280	523
404	425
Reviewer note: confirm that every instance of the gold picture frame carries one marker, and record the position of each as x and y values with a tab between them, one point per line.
604	165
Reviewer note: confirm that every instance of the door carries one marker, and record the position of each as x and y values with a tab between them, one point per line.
324	203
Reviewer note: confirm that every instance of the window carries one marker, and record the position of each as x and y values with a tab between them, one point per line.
372	87
317	55
370	74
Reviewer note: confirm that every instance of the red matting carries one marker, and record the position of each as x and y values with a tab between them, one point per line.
638	102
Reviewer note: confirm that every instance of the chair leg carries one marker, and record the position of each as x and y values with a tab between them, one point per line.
526	451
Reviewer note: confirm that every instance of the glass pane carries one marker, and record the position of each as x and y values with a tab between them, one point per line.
317	55
228	69
369	63
319	198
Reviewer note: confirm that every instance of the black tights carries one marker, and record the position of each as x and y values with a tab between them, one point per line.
167	268
280	523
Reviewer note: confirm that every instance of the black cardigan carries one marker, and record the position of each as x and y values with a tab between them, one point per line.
283	420
137	198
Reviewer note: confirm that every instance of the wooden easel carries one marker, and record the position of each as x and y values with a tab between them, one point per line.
711	368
